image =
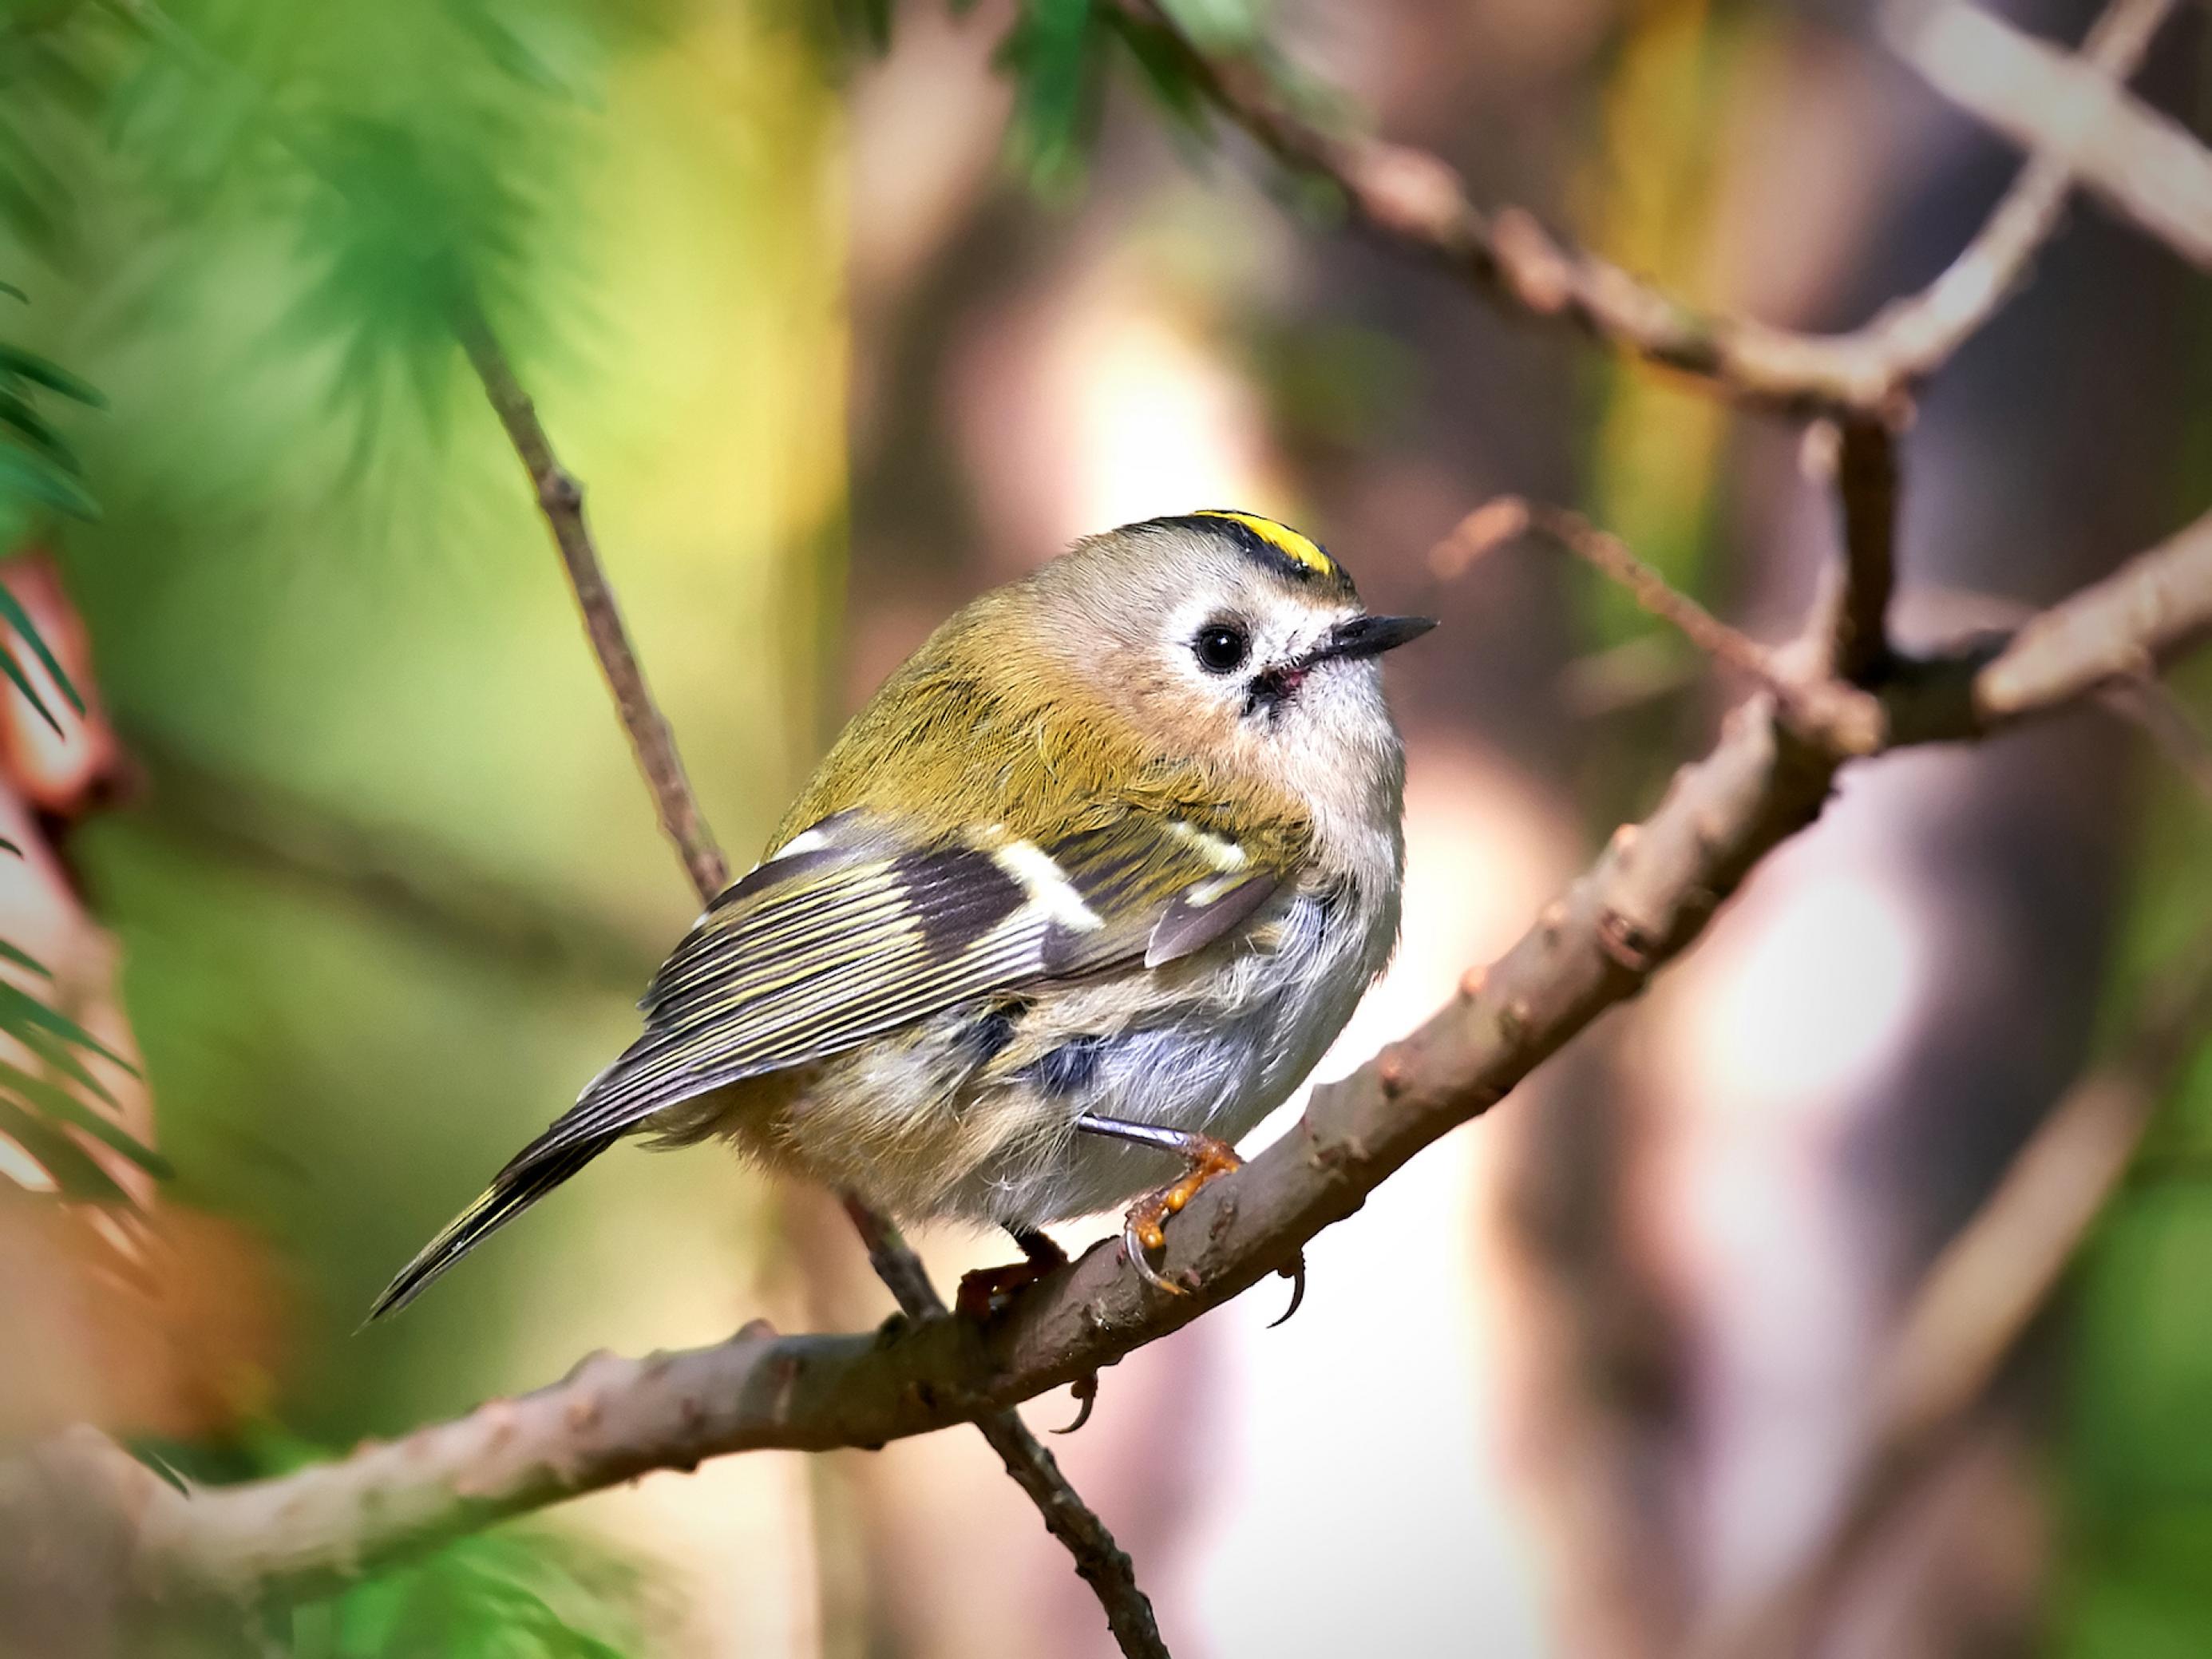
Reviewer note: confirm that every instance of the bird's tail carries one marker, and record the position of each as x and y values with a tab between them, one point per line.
513	1190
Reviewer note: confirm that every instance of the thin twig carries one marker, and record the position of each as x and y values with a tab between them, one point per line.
1841	718
1413	199
1101	1563
561	499
1980	1298
2122	628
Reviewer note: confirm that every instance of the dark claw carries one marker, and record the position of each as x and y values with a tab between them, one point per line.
1296	1273
1085	1390
1142	1261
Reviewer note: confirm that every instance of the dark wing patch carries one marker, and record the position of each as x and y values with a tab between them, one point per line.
957	895
854	930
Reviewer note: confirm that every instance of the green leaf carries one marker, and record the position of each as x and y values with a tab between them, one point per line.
162	1467
23	958
72	1167
27	474
868	21
21	682
14	293
12	612
1165	67
61	1106
14	359
1050	55
22	1013
17	412
1221	26
6	846
59	1055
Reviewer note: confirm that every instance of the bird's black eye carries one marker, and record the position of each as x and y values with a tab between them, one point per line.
1222	647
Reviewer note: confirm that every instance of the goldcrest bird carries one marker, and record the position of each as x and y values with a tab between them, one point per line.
1086	889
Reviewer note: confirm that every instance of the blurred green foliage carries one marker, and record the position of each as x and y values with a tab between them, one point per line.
1061	55
318	574
41	473
38	470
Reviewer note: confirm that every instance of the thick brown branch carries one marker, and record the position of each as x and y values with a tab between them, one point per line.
1981	1297
1101	1562
1866	489
1413	199
1643	902
612	1419
2142	164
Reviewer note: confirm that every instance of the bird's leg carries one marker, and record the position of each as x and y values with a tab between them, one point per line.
1144	1230
981	1290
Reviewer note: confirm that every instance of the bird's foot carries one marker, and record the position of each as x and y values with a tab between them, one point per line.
1146	1229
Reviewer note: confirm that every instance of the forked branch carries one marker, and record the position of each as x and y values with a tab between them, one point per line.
1645	901
1414	200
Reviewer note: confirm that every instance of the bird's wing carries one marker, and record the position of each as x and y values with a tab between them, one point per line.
855	929
857	926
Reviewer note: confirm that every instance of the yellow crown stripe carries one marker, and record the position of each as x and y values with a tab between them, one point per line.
1280	537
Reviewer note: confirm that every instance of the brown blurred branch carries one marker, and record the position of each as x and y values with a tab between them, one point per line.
1415	200
1101	1563
2144	166
1645	901
399	877
1981	1296
1866	491
2152	607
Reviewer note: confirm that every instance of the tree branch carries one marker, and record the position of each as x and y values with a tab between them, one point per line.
2145	613
1644	902
1837	717
1413	199
1866	491
1100	1563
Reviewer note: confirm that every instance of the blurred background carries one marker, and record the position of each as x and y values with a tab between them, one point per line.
843	315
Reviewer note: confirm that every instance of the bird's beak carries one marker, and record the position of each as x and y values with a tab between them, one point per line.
1370	636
